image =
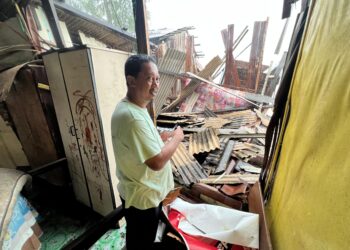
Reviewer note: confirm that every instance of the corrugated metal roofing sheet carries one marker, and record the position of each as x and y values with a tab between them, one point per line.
187	166
246	151
214	157
159	35
239	118
172	62
204	141
215	122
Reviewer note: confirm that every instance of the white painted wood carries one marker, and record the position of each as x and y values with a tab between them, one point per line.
65	122
11	151
108	67
77	73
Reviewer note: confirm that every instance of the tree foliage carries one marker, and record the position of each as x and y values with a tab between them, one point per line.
116	12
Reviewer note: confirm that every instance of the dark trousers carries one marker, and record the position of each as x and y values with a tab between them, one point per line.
141	227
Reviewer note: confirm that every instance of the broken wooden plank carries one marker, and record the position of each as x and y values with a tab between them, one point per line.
231	179
247	135
213	196
231	190
264	119
29	119
230	167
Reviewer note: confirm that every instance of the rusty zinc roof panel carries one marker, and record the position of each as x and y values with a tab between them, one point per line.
187	166
172	62
203	141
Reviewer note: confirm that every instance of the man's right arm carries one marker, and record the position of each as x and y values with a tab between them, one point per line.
157	162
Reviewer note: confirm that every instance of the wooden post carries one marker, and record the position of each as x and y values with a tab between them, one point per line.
189	66
142	39
256	55
231	78
141	29
51	14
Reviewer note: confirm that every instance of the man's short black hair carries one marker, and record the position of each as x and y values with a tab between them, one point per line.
133	65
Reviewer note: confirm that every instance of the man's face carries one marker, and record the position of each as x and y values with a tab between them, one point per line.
145	86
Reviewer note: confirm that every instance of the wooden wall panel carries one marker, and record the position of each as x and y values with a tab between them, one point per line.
48	107
29	119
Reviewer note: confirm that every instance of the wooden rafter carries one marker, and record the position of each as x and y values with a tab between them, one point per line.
256	55
231	79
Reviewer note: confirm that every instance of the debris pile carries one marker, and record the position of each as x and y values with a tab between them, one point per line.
223	149
220	160
219	163
224	123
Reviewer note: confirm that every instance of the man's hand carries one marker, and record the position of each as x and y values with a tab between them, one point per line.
178	134
157	162
166	135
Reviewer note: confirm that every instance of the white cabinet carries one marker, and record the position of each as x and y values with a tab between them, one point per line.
86	84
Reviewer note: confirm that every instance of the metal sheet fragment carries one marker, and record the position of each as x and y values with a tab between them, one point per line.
172	62
204	141
187	166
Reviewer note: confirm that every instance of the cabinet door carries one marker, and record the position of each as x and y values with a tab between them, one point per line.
79	81
110	88
66	126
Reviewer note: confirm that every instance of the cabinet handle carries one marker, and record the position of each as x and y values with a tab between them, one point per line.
72	130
